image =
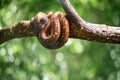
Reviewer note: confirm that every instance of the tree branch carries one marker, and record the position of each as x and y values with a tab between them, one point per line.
81	29
22	29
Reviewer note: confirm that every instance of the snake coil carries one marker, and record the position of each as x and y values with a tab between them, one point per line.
52	30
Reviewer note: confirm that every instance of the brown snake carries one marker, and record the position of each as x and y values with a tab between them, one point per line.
52	30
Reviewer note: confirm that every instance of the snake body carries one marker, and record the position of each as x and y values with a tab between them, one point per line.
52	30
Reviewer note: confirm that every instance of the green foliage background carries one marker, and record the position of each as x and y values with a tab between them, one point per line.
26	59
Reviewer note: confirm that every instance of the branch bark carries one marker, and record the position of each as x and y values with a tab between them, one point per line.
84	30
22	29
79	28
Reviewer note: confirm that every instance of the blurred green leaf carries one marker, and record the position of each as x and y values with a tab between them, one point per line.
27	59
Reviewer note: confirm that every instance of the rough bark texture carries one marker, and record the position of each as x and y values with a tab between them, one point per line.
22	29
79	28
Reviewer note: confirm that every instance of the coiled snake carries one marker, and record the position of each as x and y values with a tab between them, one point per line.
52	30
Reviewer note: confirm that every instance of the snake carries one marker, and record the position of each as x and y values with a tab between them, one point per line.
52	29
